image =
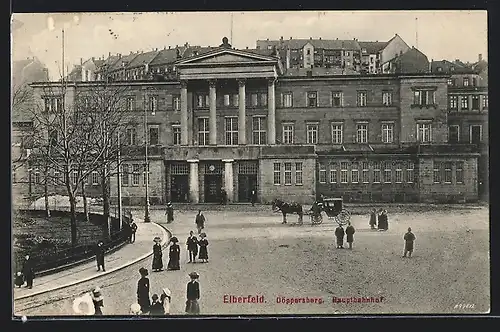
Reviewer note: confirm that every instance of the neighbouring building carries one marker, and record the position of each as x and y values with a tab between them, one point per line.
468	110
238	120
412	61
376	55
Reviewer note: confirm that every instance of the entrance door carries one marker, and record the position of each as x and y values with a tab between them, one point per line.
213	186
179	191
475	134
246	183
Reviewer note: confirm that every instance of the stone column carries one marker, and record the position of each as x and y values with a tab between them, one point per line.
242	132
184	113
228	178
194	186
271	113
459	103
481	98
212	122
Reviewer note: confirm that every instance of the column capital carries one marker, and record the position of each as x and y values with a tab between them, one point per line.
227	160
184	84
212	83
192	160
271	81
242	82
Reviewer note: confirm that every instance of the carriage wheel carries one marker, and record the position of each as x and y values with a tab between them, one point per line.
343	217
319	220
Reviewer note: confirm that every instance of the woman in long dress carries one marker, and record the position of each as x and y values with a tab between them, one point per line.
174	255
203	243
165	299
157	255
143	291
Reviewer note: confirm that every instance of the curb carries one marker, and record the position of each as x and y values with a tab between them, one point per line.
166	237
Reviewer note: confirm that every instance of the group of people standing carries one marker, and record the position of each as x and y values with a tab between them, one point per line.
26	275
340	233
379	220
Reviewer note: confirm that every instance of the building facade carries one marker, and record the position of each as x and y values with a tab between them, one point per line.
232	120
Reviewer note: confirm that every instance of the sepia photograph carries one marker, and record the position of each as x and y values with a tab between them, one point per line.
249	163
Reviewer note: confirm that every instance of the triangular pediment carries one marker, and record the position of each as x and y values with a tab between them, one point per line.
226	56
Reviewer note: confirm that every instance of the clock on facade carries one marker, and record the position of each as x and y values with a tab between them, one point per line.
211	168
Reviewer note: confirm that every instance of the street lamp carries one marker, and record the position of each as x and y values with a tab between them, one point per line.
146	165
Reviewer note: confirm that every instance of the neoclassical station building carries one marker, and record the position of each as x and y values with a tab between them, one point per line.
236	119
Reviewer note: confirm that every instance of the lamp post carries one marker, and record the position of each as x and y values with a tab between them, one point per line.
146	165
119	180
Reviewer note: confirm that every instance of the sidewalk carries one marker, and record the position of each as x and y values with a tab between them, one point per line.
126	256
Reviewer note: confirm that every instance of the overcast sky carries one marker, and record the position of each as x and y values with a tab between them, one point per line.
441	34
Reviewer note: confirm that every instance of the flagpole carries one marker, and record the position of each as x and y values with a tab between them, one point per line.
231	42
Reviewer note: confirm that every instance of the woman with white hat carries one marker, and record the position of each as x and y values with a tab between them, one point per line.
84	305
165	299
135	309
98	301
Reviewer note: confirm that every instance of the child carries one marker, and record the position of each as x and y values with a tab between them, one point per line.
156	306
165	299
135	309
19	280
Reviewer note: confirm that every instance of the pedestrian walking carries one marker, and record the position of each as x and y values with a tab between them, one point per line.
409	239
99	256
192	247
200	221
380	220
174	255
157	255
339	234
193	294
373	219
98	301
143	290
165	300
169	213
223	196
133	229
386	220
203	243
349	232
156	306
28	271
253	197
19	279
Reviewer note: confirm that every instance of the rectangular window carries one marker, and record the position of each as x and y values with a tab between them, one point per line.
343	172
399	173
361	133
450	82
424	132
236	100
176	103
255	99
466	81
387	98
423	97
361	98
154	135
475	134
312	134
453	134
176	132
485	102
95	178
460	172
125	174
74	177
288	174
203	131
312	99
57	178
387	172
263	99
337	133
464	102
410	172
37	176
130	103
227	100
475	103
153	104
365	175
453	100
287	100
277	174
136	175
447	172
354	173
333	175
131	136
437	172
202	101
288	133
322	173
298	174
387	132
231	131
337	99
376	172
259	130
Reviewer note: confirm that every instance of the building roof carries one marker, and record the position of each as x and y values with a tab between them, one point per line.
449	67
319	71
142	59
295	44
123	60
373	47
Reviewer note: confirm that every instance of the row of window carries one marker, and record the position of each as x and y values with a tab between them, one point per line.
464	102
59	178
475	134
286	173
465	81
336	99
443	172
132	173
366	172
259	132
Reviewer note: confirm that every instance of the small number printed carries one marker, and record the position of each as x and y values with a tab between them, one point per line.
464	306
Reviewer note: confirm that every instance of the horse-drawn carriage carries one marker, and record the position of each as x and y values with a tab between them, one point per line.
334	210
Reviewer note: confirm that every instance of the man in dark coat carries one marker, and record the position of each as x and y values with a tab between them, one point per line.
193	294
373	219
28	272
200	221
192	247
223	196
99	256
253	197
349	231
170	213
143	290
133	229
339	234
409	239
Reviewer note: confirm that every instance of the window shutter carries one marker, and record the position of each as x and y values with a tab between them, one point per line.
169	104
282	100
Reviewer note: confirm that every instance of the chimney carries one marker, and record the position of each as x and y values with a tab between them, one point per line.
186	44
290	38
480	57
281	38
247	47
81	61
310	38
168	46
319	38
267	39
109	54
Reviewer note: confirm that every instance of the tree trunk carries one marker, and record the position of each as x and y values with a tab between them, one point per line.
85	206
72	205
106	205
46	193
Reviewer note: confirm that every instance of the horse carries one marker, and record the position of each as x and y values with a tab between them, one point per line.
279	205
